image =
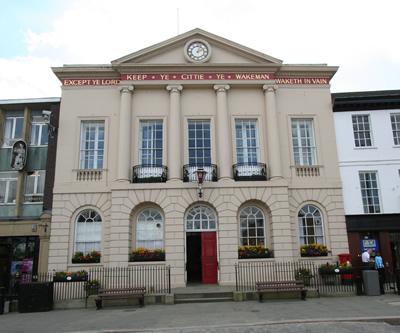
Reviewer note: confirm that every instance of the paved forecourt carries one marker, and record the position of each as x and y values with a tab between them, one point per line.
216	317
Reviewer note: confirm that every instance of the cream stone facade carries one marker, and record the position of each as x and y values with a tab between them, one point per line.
166	83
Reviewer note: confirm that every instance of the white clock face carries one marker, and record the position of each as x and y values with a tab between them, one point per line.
197	51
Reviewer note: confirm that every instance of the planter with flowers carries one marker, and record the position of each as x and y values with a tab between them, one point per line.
70	276
313	250
92	287
142	254
304	274
254	252
88	258
329	273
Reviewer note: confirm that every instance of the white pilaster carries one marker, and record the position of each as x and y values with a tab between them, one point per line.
124	142
274	154
174	133
224	142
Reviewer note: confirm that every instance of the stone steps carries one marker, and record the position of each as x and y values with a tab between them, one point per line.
203	297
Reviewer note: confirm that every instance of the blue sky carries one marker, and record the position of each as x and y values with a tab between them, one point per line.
358	36
17	17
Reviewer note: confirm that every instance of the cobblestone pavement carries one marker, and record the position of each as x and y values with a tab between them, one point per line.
325	314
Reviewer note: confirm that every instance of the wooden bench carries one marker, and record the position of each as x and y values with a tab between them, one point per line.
281	286
120	293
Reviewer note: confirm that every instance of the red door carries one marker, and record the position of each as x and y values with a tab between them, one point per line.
209	264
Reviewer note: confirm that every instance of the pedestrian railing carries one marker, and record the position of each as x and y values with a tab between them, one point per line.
156	278
325	282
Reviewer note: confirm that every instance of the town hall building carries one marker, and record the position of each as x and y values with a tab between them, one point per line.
189	150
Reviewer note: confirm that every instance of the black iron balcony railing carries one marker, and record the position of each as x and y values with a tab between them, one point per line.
249	171
149	174
189	172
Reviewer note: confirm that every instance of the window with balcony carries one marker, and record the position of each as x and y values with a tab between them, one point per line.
370	191
12	130
395	120
362	130
150	168
199	146
39	132
304	149
34	186
8	187
248	151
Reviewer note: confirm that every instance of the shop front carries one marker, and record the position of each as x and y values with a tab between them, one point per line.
19	257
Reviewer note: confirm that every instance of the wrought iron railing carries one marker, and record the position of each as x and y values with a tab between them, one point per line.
325	283
249	171
149	174
156	278
189	172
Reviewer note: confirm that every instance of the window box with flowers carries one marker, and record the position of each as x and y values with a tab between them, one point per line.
313	250
88	258
142	254
70	276
254	252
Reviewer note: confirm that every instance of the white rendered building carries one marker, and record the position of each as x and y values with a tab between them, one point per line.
368	140
133	133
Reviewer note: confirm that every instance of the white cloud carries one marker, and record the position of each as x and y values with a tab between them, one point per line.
358	36
26	77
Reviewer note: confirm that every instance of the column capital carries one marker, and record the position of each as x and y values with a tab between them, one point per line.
174	88
127	89
221	87
270	87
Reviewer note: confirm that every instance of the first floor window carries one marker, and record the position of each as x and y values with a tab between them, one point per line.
252	226
151	142
12	130
361	130
39	132
34	186
8	187
199	142
303	142
395	120
310	225
88	231
150	230
92	145
370	191
247	148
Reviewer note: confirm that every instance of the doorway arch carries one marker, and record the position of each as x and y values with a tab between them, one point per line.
201	245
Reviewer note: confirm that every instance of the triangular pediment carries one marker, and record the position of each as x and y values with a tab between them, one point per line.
172	51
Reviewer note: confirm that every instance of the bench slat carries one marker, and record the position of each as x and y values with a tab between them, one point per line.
113	293
277	286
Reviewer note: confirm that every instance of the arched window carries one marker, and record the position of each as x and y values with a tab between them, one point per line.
310	225
149	229
201	218
88	231
252	226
